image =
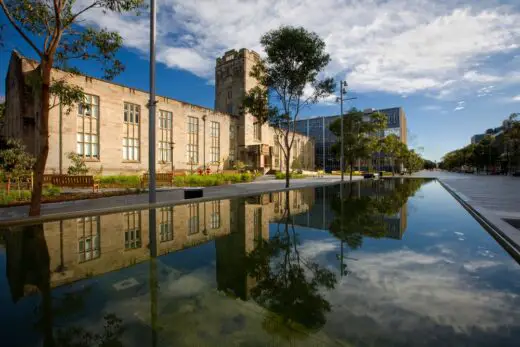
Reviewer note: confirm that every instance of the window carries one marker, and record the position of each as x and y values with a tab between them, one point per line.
87	136
257	130
192	148
214	134
232	142
165	136
132	229
193	220
257	225
166	224
88	238
131	135
215	214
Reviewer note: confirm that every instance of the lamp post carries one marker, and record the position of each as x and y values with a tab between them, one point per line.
342	91
151	108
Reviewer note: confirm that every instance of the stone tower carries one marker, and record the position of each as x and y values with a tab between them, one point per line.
232	82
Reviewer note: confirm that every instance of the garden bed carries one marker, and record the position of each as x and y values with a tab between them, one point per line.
64	197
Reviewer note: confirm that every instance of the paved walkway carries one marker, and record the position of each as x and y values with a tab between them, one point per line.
499	194
175	195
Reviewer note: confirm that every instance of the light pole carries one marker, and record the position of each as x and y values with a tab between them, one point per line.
342	91
151	109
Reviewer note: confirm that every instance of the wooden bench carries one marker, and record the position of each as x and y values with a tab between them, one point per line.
74	181
165	177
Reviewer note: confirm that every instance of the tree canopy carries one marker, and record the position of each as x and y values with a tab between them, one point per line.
52	29
289	81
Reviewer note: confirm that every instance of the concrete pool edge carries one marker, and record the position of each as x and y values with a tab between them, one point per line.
50	217
504	233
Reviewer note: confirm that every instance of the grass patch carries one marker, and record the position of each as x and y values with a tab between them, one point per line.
119	181
292	175
24	195
211	180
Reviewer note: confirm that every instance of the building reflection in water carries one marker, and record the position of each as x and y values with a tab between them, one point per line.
46	256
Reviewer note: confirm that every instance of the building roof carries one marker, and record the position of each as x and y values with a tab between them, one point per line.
21	57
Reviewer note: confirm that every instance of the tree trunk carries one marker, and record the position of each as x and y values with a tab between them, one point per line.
351	168
41	160
287	170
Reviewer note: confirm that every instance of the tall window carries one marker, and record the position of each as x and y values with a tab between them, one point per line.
165	136
214	134
88	238
215	214
257	130
257	225
87	136
131	128
166	224
193	220
192	148
232	142
132	229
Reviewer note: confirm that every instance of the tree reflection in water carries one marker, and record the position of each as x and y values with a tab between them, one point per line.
288	284
358	216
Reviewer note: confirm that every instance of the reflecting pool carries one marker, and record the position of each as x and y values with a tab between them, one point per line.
394	262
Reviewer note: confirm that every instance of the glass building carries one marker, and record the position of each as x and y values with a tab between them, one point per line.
318	129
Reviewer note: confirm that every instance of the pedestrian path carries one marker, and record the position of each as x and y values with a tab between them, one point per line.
173	196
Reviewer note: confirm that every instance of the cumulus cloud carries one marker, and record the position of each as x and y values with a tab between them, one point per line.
422	295
401	46
516	98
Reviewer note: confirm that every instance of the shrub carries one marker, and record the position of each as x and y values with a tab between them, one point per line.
292	175
120	180
52	191
78	166
210	180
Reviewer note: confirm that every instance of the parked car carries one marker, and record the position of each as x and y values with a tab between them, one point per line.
516	174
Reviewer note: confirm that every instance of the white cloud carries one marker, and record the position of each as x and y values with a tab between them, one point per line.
417	292
516	98
400	46
460	106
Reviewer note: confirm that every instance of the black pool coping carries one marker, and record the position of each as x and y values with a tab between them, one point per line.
504	233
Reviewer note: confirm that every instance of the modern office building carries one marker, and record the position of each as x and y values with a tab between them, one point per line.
317	128
111	134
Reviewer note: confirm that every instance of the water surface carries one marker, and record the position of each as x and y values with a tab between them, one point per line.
377	263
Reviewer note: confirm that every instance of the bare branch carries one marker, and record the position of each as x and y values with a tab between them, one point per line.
17	28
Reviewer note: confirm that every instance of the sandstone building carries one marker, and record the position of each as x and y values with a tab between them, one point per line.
112	133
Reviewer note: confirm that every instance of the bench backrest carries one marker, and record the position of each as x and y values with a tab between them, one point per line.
72	181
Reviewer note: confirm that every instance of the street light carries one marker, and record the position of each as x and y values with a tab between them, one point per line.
342	91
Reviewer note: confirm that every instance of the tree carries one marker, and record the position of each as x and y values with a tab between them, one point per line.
56	21
512	141
391	147
359	135
15	162
429	165
485	153
295	57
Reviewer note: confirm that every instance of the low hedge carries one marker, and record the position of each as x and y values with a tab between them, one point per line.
130	181
292	175
211	180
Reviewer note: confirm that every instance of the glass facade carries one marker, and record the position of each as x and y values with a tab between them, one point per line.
318	129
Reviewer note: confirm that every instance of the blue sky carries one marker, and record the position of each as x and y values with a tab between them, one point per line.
454	66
